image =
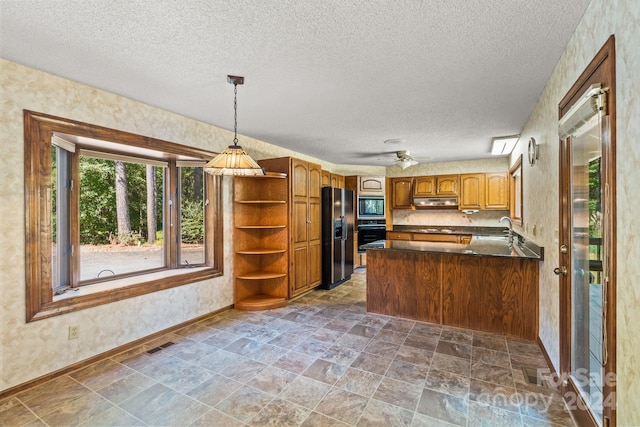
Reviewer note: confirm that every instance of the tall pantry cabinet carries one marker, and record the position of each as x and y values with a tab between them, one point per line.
305	249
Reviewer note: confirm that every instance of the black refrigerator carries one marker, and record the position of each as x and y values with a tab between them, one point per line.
338	220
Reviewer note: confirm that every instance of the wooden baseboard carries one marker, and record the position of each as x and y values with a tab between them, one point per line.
105	355
546	357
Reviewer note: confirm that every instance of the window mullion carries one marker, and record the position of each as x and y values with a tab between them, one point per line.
74	218
172	216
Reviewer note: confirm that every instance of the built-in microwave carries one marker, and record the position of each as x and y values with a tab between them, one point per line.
371	207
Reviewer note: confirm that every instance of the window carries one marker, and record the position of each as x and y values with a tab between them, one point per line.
114	215
515	190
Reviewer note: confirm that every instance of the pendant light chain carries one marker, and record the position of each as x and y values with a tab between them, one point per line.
235	114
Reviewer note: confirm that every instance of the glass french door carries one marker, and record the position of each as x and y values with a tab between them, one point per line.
584	259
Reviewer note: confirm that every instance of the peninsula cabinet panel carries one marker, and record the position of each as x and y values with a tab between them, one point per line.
491	294
414	294
459	273
426	306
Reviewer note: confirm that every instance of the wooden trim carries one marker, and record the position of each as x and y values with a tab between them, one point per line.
602	69
105	355
68	305
517	166
38	129
547	359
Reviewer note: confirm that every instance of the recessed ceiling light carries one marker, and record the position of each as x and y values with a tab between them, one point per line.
503	145
395	141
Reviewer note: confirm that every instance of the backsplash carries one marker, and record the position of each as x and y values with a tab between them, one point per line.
448	217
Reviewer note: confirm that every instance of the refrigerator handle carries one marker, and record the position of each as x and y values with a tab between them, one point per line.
344	227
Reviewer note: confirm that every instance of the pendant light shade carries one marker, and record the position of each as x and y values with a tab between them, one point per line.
234	160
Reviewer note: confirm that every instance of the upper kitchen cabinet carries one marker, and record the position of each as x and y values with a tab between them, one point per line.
326	178
402	193
337	181
424	186
447	185
488	191
472	191
435	186
371	185
306	229
496	191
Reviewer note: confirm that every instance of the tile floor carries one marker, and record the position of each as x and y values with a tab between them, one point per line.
321	361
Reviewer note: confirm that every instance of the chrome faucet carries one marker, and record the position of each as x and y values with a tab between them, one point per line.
510	232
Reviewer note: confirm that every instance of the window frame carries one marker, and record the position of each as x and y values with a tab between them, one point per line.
516	186
40	303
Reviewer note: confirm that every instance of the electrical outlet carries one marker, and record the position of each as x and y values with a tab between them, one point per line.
73	332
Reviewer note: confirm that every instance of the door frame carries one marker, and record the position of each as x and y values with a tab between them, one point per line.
600	70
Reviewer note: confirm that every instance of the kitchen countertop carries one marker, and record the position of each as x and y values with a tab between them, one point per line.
481	245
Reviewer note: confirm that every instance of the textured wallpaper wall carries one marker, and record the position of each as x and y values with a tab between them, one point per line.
28	351
601	19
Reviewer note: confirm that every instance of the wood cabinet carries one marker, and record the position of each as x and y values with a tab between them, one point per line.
326	179
399	235
432	237
491	294
484	191
424	186
404	284
496	191
472	191
305	257
429	237
447	185
401	193
337	181
371	186
329	179
435	186
261	241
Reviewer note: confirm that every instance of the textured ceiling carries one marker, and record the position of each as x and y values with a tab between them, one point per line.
328	78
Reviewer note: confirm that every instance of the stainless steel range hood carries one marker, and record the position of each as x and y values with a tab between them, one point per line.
435	202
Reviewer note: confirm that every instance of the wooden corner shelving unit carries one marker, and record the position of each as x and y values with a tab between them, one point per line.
261	239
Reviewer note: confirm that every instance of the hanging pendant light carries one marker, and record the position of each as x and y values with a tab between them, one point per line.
234	160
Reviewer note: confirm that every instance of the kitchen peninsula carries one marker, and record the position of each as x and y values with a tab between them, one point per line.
486	284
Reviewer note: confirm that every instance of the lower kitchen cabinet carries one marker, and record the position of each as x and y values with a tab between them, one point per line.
429	237
399	235
491	294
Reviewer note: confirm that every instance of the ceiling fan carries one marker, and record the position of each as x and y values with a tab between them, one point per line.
405	159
